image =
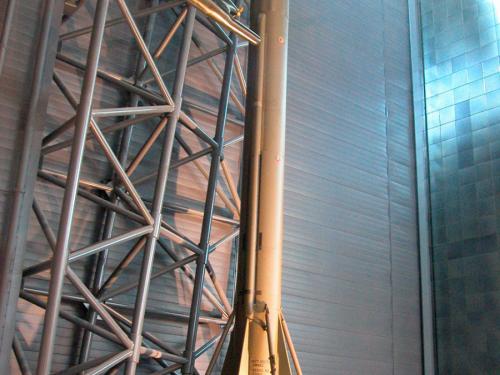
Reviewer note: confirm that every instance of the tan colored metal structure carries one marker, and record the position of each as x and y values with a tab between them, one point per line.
260	338
213	11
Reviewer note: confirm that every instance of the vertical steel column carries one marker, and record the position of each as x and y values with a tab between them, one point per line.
159	194
209	208
110	215
59	260
6	27
14	242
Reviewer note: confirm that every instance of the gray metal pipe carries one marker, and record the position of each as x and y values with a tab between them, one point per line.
65	91
68	124
189	274
6	27
115	79
121	266
62	246
120	173
112	241
218	189
97	306
224	239
151	96
146	147
132	111
116	21
89	250
145	51
110	215
80	368
193	126
70	317
166	40
164	270
100	263
168	370
218	348
12	253
161	183
109	364
110	128
147	335
194	61
94	198
20	356
209	209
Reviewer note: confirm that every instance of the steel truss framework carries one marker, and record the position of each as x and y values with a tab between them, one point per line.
120	198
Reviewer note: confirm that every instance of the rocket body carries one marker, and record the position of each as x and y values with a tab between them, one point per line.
273	23
260	348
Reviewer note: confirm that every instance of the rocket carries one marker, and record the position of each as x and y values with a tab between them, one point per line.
260	342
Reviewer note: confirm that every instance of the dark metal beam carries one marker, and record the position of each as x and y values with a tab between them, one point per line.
209	210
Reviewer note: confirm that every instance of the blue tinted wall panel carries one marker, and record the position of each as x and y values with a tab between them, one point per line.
462	81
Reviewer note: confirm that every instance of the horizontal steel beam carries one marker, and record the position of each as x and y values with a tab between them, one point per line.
90	250
132	111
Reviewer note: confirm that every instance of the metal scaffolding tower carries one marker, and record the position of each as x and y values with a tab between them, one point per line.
144	228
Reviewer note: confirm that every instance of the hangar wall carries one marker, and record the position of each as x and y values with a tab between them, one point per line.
351	277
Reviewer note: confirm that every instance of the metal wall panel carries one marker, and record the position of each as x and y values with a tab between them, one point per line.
351	278
461	41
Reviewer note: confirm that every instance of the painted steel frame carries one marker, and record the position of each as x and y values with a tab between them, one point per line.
120	196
